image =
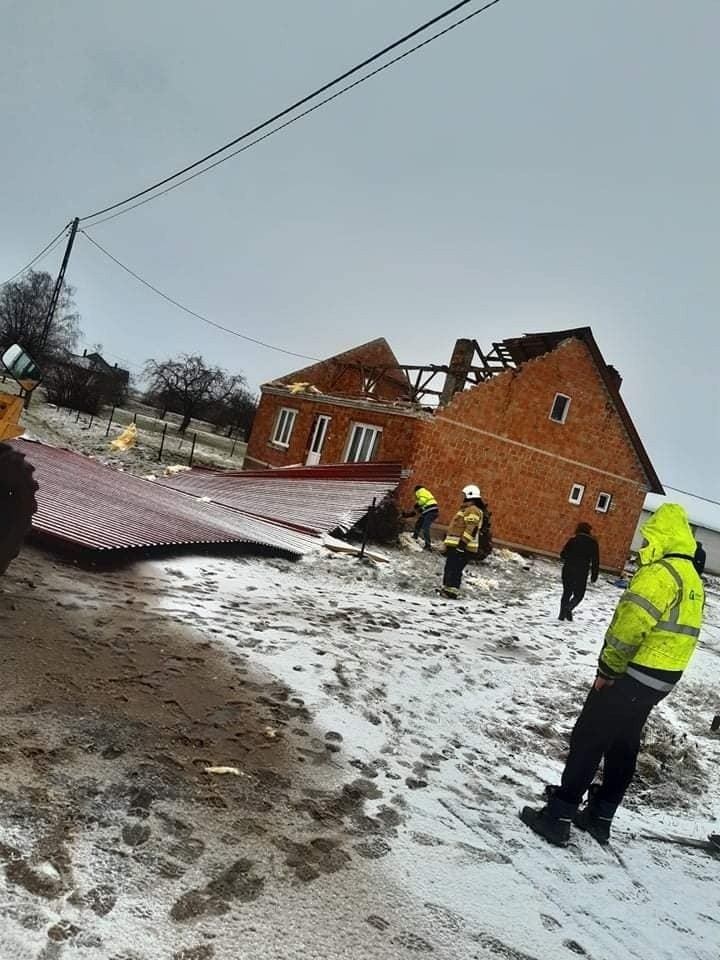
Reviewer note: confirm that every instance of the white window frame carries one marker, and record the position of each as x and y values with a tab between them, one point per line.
565	411
377	431
606	508
576	501
284	425
321	425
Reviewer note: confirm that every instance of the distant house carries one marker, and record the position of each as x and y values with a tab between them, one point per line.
538	422
98	364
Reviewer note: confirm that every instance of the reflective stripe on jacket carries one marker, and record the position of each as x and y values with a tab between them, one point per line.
464	531
656	625
424	500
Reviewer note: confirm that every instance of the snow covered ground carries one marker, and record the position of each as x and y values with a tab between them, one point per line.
45	422
385	740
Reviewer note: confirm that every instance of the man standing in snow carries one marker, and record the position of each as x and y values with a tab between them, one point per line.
581	557
426	507
462	540
648	644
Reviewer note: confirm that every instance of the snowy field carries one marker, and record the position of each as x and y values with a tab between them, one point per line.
59	427
384	741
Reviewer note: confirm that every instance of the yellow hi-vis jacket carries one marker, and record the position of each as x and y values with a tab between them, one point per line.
656	625
424	500
464	530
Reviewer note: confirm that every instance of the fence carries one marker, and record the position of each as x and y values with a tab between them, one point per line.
170	441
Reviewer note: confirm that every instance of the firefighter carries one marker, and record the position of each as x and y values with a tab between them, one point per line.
426	508
650	641
462	540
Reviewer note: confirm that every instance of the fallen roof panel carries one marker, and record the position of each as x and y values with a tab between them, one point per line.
85	503
318	499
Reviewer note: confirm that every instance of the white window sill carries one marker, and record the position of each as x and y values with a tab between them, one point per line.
278	446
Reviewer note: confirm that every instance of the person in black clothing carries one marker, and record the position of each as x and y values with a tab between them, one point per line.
699	559
581	556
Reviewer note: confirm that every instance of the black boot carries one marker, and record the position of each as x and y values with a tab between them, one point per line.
596	818
552	822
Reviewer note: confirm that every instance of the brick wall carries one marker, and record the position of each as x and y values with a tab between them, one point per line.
527	489
335	377
397	442
499	436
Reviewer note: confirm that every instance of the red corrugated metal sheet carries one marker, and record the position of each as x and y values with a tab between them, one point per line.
318	499
82	502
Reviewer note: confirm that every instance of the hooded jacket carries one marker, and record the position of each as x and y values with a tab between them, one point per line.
656	625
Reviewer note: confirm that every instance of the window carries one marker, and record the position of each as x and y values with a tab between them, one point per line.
369	385
576	493
560	407
363	444
284	427
603	502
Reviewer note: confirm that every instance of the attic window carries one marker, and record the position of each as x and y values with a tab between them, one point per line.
369	385
576	493
603	502
560	407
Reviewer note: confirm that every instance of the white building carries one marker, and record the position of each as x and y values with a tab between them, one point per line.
704	519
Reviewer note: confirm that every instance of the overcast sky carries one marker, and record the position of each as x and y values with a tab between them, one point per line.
548	165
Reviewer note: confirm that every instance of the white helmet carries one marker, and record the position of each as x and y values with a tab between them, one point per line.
471	492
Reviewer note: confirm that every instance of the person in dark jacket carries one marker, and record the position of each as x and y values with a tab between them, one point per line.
699	559
581	557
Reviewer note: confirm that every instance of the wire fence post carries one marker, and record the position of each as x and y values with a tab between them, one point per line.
92	417
366	532
135	418
192	450
232	452
77	417
112	414
162	443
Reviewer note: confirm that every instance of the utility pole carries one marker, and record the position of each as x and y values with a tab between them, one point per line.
59	283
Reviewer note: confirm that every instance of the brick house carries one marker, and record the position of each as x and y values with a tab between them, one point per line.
540	425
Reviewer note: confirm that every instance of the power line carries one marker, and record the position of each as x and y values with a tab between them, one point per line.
290	122
311	96
45	250
192	313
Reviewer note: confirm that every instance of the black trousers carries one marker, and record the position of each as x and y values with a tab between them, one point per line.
455	563
423	524
609	727
574	587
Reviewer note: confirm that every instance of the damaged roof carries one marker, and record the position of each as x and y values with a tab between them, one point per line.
314	499
88	505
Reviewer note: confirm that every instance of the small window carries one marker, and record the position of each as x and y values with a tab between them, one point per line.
603	502
369	385
560	407
576	493
363	444
284	427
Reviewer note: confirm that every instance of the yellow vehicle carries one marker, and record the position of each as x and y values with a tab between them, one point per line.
17	486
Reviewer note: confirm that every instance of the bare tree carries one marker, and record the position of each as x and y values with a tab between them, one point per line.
187	385
236	413
69	383
23	309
